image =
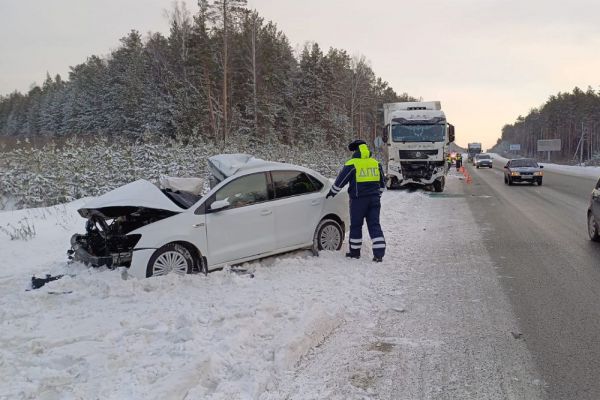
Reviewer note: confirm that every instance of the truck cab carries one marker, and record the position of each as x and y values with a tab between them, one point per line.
417	137
472	150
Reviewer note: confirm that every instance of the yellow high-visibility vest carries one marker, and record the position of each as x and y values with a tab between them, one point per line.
367	168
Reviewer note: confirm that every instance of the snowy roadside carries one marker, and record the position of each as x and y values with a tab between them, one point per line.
429	322
571	170
441	327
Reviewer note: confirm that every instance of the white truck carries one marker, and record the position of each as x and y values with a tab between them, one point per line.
417	137
473	149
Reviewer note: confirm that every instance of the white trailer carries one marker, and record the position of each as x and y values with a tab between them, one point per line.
417	137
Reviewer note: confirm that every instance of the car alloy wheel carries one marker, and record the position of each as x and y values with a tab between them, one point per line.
593	228
328	235
171	258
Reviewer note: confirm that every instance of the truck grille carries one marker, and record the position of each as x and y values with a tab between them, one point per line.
417	154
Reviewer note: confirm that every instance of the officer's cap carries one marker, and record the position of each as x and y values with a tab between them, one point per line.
354	145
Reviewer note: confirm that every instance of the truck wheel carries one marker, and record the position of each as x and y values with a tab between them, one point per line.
438	184
391	183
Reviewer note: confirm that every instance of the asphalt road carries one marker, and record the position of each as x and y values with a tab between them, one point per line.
550	271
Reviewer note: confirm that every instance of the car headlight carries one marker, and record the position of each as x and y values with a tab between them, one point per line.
515	173
538	173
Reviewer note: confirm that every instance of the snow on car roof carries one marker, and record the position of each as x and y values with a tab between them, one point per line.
222	166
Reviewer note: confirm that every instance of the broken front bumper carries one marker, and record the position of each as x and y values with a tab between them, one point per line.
79	253
419	172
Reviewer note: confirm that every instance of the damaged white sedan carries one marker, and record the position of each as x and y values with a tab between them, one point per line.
254	209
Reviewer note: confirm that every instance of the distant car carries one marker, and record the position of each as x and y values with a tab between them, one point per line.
593	214
254	209
523	170
483	160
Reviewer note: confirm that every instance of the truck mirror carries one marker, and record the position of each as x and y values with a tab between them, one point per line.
450	133
384	133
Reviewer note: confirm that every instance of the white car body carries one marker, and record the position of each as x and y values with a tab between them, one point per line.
234	234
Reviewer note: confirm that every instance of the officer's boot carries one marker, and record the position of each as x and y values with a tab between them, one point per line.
353	254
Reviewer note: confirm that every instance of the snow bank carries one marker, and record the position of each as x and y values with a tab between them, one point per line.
94	334
300	327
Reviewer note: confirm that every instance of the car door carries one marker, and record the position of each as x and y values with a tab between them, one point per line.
246	227
298	203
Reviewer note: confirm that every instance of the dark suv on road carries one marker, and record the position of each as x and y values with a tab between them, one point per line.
523	170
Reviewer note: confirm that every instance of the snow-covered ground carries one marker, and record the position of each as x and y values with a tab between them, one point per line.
431	321
572	170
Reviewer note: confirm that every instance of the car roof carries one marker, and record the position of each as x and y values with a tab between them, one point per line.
523	159
231	165
275	166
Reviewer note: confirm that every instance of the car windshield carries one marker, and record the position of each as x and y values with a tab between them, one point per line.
483	157
523	163
418	133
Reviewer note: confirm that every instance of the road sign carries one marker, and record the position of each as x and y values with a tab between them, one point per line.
515	147
549	145
378	141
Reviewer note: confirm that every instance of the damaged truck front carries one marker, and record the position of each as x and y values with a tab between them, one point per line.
418	138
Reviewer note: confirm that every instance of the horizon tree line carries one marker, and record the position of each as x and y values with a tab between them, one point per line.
572	117
221	74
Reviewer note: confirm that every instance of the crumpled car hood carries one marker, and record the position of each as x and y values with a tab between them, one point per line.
140	193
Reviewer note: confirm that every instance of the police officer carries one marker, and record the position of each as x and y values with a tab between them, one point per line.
366	183
449	161
458	160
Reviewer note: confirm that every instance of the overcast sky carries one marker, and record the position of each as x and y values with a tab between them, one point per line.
487	61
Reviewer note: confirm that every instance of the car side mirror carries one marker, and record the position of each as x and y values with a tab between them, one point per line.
541	166
384	133
451	136
219	205
506	166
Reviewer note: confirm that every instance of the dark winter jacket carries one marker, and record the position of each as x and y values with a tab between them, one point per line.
363	174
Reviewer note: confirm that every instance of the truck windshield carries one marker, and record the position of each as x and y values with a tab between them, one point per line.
418	133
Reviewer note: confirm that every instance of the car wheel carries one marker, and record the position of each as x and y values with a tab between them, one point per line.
171	258
505	181
510	181
478	167
540	182
593	227
329	235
